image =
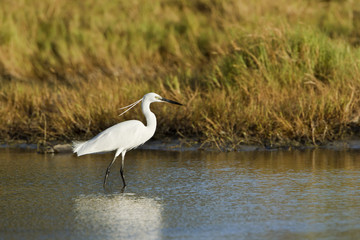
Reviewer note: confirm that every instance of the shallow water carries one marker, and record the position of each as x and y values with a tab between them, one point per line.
313	194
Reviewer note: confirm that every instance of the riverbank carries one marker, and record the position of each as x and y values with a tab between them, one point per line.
181	146
254	73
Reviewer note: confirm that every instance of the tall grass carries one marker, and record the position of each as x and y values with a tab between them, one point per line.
249	72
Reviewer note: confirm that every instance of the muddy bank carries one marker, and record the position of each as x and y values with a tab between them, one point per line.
178	145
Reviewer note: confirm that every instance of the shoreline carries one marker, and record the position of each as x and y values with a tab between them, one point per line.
180	146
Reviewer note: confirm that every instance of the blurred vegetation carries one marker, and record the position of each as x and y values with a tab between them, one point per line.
264	72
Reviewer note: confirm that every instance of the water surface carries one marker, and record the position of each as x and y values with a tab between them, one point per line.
313	194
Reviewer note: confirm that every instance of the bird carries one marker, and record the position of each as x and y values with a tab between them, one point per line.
124	136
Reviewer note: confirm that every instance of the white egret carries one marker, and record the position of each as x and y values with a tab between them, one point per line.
123	136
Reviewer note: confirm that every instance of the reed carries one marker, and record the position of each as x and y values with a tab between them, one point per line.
249	72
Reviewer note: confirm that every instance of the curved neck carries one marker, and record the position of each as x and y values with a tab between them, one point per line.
150	117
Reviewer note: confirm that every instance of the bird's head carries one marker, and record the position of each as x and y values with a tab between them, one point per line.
153	97
148	98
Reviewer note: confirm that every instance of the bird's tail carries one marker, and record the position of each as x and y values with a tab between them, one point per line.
76	146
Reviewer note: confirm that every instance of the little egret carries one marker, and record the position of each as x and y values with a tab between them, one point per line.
123	136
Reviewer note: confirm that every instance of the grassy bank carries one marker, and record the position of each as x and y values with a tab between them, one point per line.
249	72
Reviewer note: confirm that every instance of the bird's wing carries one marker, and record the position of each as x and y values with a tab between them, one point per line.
124	135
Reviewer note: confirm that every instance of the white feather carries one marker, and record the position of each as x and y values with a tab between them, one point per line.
125	135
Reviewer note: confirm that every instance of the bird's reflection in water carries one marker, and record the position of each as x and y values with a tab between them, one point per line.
118	216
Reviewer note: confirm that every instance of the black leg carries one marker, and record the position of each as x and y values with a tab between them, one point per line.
108	171
122	176
122	169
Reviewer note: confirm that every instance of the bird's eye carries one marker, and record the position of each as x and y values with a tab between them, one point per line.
158	98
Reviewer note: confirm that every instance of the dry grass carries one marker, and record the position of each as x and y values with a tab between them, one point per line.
265	72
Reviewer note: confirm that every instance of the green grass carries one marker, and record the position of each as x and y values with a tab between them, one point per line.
249	72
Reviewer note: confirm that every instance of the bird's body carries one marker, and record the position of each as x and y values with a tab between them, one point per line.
123	136
113	137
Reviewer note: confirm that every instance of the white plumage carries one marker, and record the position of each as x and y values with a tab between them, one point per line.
113	137
123	136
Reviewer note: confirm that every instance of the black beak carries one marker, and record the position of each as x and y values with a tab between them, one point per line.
170	101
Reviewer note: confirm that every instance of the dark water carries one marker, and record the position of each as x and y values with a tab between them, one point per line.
182	195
